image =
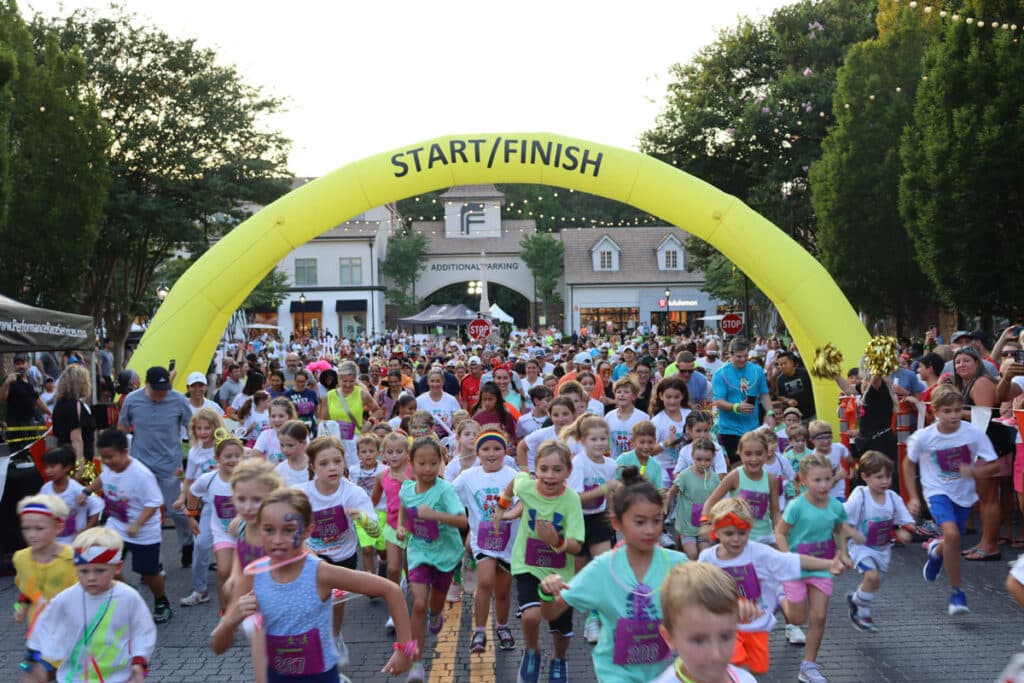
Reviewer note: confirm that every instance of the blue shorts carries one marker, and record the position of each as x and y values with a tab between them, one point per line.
145	558
945	510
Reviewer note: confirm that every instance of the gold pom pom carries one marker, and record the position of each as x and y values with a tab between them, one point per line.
828	362
86	473
881	357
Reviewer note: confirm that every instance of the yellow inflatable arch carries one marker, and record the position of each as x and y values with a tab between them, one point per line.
191	320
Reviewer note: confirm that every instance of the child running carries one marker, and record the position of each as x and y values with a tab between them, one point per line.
552	527
669	411
368	450
267	445
388	484
563	412
464	453
751	483
643	437
813	524
59	463
622	586
759	570
625	416
430	515
479	489
701	608
838	454
293	594
99	628
946	451
698	426
877	513
798	438
690	491
293	437
776	464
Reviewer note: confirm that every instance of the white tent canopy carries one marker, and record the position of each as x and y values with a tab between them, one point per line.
500	315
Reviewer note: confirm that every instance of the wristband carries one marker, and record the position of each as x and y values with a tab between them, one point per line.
770	413
546	597
19	607
141	661
409	648
736	408
192	513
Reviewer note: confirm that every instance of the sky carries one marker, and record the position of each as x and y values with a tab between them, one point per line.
363	77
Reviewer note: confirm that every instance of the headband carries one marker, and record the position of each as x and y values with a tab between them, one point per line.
96	554
730	519
37	509
490	435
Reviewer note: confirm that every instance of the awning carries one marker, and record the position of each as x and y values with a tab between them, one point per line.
350	306
26	328
308	307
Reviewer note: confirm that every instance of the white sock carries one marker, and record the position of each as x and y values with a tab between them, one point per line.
864	601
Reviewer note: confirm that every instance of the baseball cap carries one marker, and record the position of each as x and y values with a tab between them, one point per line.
983	337
627	347
582	358
196	378
20	356
158	378
959	334
474	360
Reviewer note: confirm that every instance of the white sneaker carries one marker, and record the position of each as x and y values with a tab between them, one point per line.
194	598
454	592
666	541
795	635
592	630
468	576
343	659
389	625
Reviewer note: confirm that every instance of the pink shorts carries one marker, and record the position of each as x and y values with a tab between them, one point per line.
796	591
223	545
431	576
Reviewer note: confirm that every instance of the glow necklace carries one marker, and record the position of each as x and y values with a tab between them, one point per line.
263	564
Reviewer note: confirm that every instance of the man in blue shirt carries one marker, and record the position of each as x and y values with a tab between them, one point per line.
736	388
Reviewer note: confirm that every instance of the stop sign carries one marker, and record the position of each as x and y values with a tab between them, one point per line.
479	329
732	323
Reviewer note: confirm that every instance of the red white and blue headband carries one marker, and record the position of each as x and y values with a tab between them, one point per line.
96	554
38	509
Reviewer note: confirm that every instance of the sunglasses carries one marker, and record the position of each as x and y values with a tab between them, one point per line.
823	435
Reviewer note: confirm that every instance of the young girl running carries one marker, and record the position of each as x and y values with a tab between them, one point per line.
338	506
387	486
563	412
877	513
798	438
643	437
776	464
479	489
838	454
44	568
267	445
622	420
254	417
758	570
368	450
464	453
214	490
430	516
293	595
698	426
751	483
669	410
553	526
201	459
691	489
623	587
813	524
293	437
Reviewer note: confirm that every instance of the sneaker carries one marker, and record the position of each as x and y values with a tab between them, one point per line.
505	639
405	587
339	643
809	673
667	541
454	592
795	635
958	603
557	672
592	630
194	598
435	622
479	642
933	565
529	668
469	576
389	625
186	555
416	674
860	621
929	528
162	611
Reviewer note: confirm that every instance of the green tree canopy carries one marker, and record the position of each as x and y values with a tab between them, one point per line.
405	262
544	256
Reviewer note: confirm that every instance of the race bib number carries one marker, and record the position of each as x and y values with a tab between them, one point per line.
540	554
299	655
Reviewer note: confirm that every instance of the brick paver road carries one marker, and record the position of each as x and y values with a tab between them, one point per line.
917	642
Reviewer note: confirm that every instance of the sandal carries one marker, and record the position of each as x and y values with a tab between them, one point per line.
981	556
968	551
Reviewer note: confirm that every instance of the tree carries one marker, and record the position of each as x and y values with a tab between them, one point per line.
405	261
961	190
855	185
53	169
270	292
543	255
188	151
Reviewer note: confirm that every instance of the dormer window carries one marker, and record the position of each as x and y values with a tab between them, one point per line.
670	254
606	254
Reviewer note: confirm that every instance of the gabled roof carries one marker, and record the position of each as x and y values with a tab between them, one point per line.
669	237
474	193
638	256
606	239
511	233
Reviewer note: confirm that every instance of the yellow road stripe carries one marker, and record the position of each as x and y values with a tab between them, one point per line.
442	666
481	665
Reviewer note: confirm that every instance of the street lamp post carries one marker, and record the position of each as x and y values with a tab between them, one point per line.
302	314
668	308
162	292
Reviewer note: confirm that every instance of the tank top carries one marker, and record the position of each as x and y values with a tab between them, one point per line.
756	494
247	552
354	402
297	623
391	488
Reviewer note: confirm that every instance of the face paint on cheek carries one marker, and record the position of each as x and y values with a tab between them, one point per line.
297	538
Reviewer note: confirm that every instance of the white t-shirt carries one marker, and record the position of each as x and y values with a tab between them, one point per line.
759	570
941	455
620	430
200	461
255	424
365	479
268	444
534	440
587	475
479	492
872	520
78	519
125	630
736	675
216	494
334	534
595	407
442	409
836	456
292	477
783	471
125	495
686	460
668	456
529	423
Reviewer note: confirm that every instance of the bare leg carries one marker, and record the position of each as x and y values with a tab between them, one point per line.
816	628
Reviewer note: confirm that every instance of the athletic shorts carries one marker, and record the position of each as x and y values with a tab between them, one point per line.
526	589
431	576
944	510
145	558
502	564
751	651
796	591
391	536
350	562
367	541
597	530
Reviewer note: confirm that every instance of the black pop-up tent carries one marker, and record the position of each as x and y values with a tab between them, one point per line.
447	315
25	328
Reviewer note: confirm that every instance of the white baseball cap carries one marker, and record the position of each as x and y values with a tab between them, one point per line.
196	378
582	358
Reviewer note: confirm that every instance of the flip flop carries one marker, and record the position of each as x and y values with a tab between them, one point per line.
982	556
968	551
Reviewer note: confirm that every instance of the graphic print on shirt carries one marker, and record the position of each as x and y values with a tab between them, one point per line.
637	640
487	537
950	460
115	504
539	553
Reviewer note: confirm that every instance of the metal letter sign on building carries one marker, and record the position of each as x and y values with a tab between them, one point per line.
471	214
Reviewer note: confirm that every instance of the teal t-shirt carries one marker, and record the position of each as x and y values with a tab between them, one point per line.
794	460
693	491
607	585
734	386
530	555
431	542
652	470
758	496
812	528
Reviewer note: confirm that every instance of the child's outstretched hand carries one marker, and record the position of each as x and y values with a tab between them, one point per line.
425	512
401	533
749	611
246	606
553	584
837	567
398	664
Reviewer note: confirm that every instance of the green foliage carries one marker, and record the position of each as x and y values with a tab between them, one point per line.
544	256
405	261
270	292
961	190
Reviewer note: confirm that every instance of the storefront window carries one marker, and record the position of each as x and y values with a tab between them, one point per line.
352	324
597	319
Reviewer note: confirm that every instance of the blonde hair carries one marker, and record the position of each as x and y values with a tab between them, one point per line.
368	438
285	404
643	428
752	436
737	506
583	425
57	507
396	438
256	470
700	584
946	395
818	427
558	448
796	430
768	434
98	537
814	460
205	413
74	383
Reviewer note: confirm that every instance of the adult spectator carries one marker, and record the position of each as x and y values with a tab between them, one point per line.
73	423
48	364
651	352
231	387
155	415
929	369
20	395
697	384
980	342
469	392
710	360
197	394
628	354
793	385
105	356
304	398
736	388
292	364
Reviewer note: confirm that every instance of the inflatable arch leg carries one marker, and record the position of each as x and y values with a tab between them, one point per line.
190	321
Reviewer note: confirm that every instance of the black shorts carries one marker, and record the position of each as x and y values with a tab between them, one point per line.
526	589
731	444
597	529
502	564
145	558
351	562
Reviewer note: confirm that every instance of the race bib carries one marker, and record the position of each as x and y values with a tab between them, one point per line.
426	529
70	525
823	549
758	501
950	460
489	539
329	524
637	641
879	534
540	554
746	581
299	655
696	512
346	430
116	508
225	508
595	503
